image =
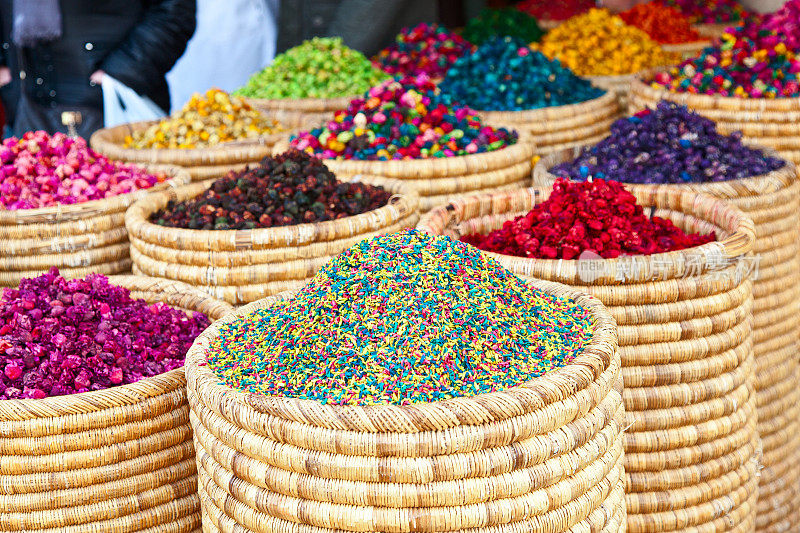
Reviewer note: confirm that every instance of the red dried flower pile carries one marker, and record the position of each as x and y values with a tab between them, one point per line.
600	217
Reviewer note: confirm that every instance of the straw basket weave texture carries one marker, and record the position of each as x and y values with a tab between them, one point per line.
542	456
556	128
773	123
619	85
684	321
200	163
713	31
297	113
241	266
119	459
437	180
686	50
772	202
77	238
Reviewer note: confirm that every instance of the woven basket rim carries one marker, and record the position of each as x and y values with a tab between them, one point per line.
138	224
606	100
686	47
113	204
229	152
596	357
740	239
307	104
398	168
786	176
699	102
145	388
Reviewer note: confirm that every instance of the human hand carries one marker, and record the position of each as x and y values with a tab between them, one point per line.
5	76
97	77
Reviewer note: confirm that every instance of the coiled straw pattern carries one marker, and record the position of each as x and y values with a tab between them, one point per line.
200	163
119	459
543	456
772	201
684	326
77	238
241	266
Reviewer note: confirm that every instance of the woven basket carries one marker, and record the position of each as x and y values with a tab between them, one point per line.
299	113
772	202
77	238
684	322
200	163
119	459
241	266
437	180
686	50
542	456
768	122
713	31
555	128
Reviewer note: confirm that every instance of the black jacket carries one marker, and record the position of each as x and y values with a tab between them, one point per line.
135	41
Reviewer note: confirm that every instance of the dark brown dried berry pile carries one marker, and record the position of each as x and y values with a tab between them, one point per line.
292	188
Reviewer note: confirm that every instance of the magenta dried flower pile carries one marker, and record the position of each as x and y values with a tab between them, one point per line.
61	336
40	170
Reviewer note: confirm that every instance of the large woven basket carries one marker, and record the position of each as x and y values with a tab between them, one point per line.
200	163
772	202
437	180
555	128
774	123
77	238
299	113
241	266
686	50
119	459
712	30
542	456
684	322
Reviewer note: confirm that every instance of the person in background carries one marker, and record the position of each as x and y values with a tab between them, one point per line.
234	39
55	53
365	25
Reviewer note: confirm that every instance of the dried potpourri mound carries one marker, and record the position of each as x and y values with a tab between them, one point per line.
424	49
292	188
550	10
62	337
318	68
709	11
507	22
756	60
403	119
503	74
598	43
668	145
599	217
664	24
401	319
205	120
39	170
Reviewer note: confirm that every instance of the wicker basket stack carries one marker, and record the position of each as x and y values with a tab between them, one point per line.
768	122
77	238
299	113
439	180
684	321
200	163
555	128
542	456
241	266
119	459
772	201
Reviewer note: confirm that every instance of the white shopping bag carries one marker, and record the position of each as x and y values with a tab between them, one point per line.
122	105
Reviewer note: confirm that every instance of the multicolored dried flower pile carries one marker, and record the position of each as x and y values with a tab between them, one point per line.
668	145
63	337
292	188
597	217
401	319
424	49
39	170
756	60
403	119
709	11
